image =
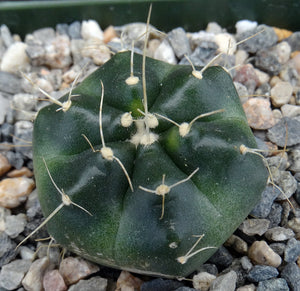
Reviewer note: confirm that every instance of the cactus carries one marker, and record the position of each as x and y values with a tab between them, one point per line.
149	164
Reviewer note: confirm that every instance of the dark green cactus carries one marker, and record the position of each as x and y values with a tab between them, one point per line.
188	179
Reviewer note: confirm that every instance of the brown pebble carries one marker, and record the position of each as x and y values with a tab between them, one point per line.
259	113
109	34
260	253
23	172
14	191
237	244
54	281
74	269
282	33
126	281
4	165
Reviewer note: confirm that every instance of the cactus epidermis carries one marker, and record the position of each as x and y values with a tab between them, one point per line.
164	181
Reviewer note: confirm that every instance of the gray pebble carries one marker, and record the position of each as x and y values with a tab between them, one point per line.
292	251
279	233
13	273
291	273
15	159
161	285
246	264
7	249
286	182
6	35
44	34
165	52
62	28
295	161
23	136
74	30
15	224
9	83
273	285
261	273
254	226
263	208
224	282
208	268
185	289
179	41
278	248
94	284
297	194
279	162
294	41
4	106
221	258
268	62
275	215
6	132
263	40
277	134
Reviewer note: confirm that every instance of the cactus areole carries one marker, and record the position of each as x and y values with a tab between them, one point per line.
166	184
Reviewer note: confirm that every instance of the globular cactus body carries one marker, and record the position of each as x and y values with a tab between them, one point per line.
142	230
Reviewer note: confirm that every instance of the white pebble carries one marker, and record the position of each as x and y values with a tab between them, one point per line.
289	110
281	93
226	43
15	58
165	53
245	25
283	50
91	29
202	281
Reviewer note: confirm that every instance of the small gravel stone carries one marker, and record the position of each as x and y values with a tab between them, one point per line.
278	248
12	274
74	30
33	281
53	280
26	253
161	285
294	224
15	159
127	281
203	280
283	50
266	39
109	34
23	136
245	25
5	166
6	35
90	29
237	244
208	268
185	289
260	253
255	226
279	234
277	134
23	172
294	41
275	215
93	284
165	53
179	42
62	28
224	282
291	273
213	27
292	251
4	108
7	249
295	160
259	113
246	264
221	258
281	93
226	43
273	285
13	191
15	224
9	83
289	110
250	287
263	208
267	61
73	269
15	58
246	75
261	273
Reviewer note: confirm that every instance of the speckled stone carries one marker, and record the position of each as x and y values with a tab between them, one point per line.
291	273
161	285
292	251
281	93
225	282
52	280
262	273
238	244
255	226
203	280
179	41
273	285
279	234
267	61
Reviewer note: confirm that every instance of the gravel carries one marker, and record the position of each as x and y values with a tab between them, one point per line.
264	253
